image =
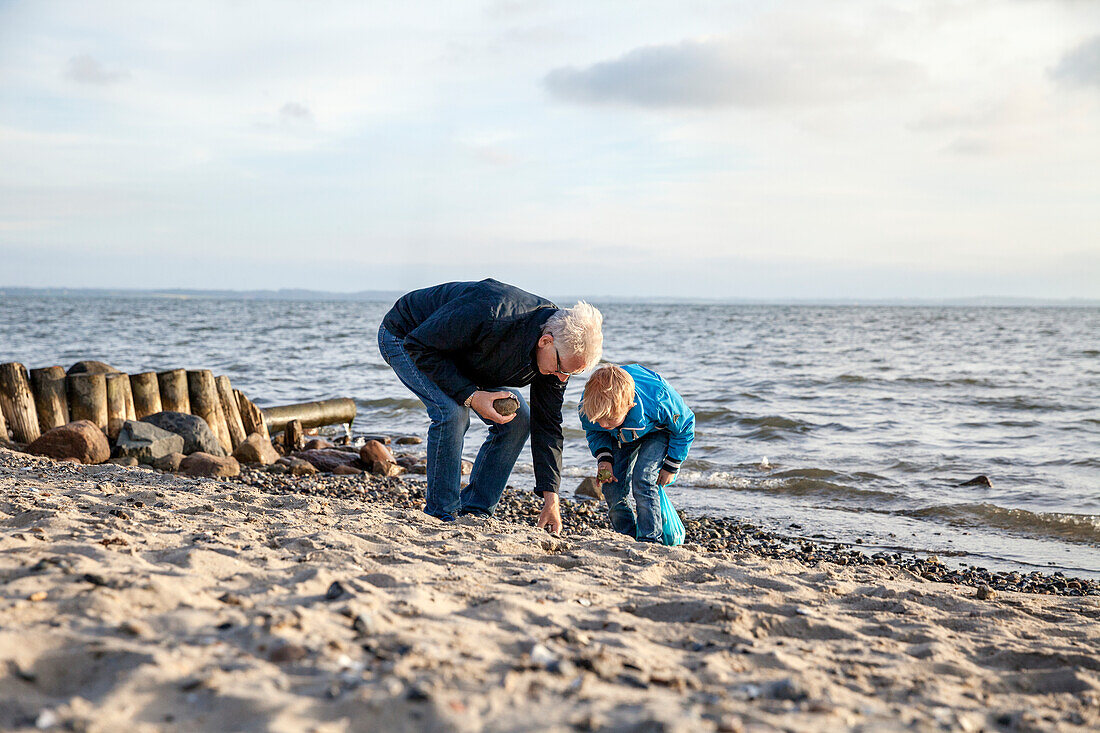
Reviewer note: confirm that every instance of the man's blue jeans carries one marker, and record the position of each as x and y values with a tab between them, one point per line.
636	466
450	421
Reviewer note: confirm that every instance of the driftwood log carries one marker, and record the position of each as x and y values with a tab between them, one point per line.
88	398
146	393
48	384
120	404
173	391
205	403
231	411
251	416
311	414
17	402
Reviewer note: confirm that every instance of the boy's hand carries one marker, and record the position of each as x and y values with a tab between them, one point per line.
665	478
482	404
550	517
604	474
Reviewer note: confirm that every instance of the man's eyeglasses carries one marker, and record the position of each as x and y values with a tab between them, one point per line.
559	369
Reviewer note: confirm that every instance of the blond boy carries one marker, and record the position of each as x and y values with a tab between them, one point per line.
639	431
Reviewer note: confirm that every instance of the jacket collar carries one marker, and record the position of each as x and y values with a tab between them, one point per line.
542	314
635	416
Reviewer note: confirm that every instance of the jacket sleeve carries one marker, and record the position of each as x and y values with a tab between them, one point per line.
600	441
547	395
449	330
679	420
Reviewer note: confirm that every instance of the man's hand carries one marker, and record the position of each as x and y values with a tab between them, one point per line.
664	478
551	513
482	403
604	473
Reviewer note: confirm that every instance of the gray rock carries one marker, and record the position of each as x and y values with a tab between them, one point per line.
327	459
91	367
788	689
506	406
170	462
589	490
146	443
197	435
256	449
204	464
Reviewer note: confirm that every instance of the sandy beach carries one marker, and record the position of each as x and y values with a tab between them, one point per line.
140	601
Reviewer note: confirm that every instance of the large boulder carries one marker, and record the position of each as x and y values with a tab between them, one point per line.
256	449
81	440
146	442
204	464
327	460
196	434
170	462
373	450
91	367
589	490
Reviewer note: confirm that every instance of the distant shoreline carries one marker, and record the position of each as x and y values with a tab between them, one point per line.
388	296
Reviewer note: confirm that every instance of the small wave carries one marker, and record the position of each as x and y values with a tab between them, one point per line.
1083	528
719	415
1019	402
408	403
775	421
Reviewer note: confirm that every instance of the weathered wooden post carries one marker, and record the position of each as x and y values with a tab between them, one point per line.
3	427
206	404
48	384
17	402
88	398
251	416
119	403
292	436
231	411
173	391
146	394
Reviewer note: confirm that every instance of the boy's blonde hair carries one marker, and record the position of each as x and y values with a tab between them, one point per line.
609	391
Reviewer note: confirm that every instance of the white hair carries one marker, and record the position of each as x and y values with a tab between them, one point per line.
580	330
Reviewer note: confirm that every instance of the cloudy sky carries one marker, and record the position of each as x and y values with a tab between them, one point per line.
686	148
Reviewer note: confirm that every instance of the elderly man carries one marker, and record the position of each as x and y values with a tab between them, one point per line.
457	346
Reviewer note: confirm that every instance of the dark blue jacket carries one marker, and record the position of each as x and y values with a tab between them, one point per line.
467	336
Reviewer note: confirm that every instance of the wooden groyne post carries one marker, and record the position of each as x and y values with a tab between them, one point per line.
88	398
17	402
50	398
173	391
251	416
146	393
120	403
231	411
206	404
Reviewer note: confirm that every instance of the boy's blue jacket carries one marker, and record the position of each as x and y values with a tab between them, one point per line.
657	406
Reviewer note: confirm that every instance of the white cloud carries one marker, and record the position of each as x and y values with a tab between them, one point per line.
739	72
87	70
1081	65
